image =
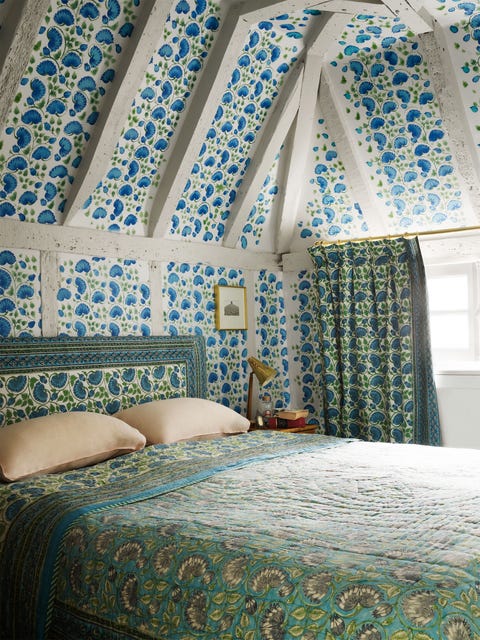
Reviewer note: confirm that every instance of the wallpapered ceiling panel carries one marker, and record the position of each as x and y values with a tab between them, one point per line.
260	228
271	48
56	107
461	20
121	199
20	304
391	105
329	207
189	308
103	296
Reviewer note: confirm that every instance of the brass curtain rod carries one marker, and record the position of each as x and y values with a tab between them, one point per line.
326	243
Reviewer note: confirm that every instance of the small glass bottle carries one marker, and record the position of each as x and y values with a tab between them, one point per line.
265	406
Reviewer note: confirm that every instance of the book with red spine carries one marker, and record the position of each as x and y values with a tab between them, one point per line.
283	423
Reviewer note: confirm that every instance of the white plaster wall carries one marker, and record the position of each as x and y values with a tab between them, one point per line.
459	406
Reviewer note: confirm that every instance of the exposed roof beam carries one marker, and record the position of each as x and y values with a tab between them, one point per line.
356	7
404	10
366	7
117	104
302	139
273	9
187	142
268	144
458	128
93	242
201	110
18	35
355	174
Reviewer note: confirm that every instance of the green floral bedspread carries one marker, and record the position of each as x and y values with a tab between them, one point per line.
263	536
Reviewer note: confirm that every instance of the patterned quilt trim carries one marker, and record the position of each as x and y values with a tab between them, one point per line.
34	540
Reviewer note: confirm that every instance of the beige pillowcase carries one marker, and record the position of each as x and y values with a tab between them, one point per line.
62	441
166	421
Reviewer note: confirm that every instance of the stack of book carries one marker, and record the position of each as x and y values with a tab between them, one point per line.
291	418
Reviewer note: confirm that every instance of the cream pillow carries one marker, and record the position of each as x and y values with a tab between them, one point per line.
177	419
62	441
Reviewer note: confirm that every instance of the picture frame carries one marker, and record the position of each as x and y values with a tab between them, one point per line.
230	307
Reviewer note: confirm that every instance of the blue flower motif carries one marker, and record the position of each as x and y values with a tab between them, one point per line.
89	11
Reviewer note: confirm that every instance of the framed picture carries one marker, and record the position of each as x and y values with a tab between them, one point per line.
230	307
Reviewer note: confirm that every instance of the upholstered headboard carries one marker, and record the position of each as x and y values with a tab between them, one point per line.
46	375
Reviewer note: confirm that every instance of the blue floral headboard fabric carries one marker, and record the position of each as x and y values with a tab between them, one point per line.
39	376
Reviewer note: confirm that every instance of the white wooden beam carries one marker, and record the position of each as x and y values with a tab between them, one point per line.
465	157
49	286
253	11
352	7
202	106
268	144
356	7
118	102
355	174
408	15
91	242
187	142
448	90
294	193
18	36
156	274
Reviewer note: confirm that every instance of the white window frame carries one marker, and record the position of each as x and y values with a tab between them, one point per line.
453	358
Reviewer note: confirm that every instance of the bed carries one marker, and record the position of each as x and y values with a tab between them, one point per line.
261	536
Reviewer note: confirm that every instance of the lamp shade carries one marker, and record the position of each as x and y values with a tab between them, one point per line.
263	372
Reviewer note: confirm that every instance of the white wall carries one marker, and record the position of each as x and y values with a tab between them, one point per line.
459	406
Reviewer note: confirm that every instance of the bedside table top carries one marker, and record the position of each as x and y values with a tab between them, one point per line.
307	428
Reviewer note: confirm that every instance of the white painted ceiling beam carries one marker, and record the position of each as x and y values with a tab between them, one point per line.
268	143
356	7
366	7
219	67
17	39
457	126
408	15
253	12
117	104
355	174
91	242
294	193
187	142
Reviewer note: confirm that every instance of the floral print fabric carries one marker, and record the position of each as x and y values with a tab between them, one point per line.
262	536
377	375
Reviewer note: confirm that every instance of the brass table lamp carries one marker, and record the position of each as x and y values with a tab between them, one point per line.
264	374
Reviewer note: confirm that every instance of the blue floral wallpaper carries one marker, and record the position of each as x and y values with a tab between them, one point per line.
271	333
461	22
58	102
391	104
385	97
330	209
20	302
271	49
120	201
189	307
304	363
103	296
258	234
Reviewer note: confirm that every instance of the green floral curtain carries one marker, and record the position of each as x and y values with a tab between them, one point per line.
375	342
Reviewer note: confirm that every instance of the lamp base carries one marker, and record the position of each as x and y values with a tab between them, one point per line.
249	397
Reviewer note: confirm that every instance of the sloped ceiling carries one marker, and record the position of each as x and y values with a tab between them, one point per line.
257	125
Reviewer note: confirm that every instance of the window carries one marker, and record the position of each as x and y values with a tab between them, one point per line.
453	302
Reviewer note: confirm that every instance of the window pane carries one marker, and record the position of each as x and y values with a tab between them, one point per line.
448	293
450	331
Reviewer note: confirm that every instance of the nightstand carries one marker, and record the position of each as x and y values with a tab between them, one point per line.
307	428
